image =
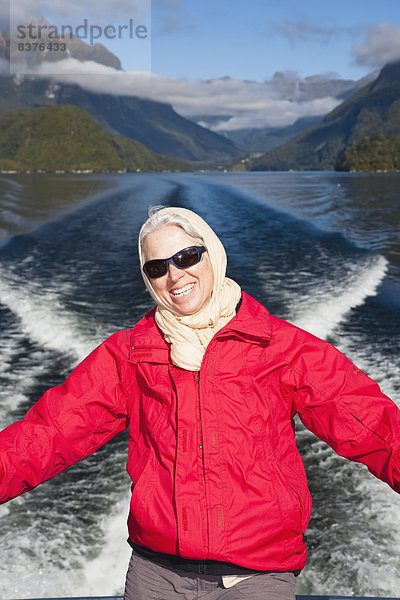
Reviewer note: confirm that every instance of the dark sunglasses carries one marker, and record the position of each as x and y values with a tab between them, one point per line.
188	257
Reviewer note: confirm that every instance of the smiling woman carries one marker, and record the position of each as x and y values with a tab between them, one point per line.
208	383
192	303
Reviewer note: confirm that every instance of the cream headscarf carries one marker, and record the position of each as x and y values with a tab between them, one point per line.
189	335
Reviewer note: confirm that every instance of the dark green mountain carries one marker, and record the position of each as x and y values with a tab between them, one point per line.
66	138
154	124
373	109
375	153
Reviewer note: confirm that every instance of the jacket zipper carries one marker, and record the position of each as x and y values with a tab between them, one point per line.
197	381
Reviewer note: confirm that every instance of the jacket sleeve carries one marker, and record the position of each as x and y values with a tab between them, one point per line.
347	409
68	423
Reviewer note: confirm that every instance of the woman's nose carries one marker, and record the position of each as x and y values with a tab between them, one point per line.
174	273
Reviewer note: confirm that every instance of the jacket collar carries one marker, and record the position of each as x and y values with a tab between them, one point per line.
148	343
251	319
146	333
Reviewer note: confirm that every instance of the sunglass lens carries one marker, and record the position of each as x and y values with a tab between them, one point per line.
186	258
156	268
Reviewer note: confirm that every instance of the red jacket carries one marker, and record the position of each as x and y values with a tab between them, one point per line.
212	455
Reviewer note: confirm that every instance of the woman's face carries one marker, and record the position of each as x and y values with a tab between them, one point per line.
184	291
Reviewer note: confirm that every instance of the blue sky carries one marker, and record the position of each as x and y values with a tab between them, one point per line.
202	39
251	40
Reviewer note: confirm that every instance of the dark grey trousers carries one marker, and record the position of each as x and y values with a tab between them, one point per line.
146	580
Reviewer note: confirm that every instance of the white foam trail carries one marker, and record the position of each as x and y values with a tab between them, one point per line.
374	566
105	575
43	318
329	303
28	572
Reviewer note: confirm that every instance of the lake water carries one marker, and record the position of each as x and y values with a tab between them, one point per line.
321	250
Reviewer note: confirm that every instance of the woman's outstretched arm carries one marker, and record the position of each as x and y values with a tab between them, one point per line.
69	422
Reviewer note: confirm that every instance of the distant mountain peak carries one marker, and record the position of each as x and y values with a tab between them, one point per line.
76	48
389	74
372	109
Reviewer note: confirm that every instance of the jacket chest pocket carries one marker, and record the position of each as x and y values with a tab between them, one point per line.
151	416
138	458
151	394
142	470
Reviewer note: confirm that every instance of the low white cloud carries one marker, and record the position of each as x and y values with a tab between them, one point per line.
381	46
277	102
280	113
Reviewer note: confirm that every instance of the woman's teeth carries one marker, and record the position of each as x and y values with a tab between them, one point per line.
183	291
